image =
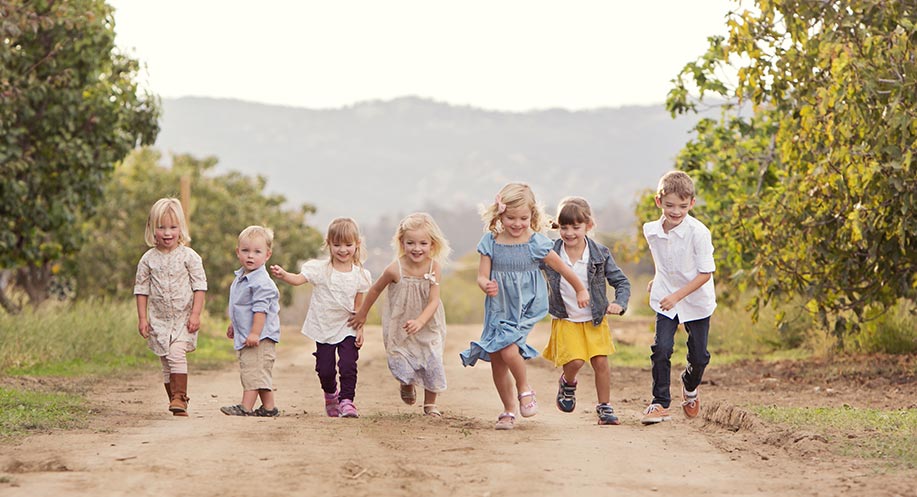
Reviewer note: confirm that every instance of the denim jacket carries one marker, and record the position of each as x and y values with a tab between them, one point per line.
602	267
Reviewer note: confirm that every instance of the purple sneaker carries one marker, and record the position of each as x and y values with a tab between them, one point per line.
348	410
331	405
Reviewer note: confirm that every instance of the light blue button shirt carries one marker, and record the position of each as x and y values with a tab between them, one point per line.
251	293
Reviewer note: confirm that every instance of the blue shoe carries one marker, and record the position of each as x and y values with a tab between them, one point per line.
606	415
566	395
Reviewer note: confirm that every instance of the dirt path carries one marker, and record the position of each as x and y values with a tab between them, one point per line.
136	448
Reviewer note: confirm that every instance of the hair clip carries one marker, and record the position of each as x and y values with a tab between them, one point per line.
501	207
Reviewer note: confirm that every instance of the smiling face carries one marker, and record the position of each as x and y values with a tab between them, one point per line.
253	253
674	208
342	251
516	222
574	235
167	232
417	245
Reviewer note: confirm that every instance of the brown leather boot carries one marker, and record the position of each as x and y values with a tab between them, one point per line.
169	395
179	387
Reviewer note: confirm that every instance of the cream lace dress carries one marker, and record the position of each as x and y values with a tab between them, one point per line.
414	359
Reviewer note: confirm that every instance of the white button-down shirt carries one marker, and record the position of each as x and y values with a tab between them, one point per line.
568	294
680	255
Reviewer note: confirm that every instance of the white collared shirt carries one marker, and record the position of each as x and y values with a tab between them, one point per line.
575	314
680	255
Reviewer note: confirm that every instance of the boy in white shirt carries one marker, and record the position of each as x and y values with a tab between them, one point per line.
680	292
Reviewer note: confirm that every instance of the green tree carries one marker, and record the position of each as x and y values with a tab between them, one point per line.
69	109
220	207
808	177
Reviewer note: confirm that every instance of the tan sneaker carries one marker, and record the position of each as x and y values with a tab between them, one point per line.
655	413
691	405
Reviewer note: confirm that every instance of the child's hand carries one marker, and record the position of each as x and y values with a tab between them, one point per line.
413	326
669	302
252	340
278	271
614	308
490	288
144	328
230	332
582	298
359	339
194	324
357	321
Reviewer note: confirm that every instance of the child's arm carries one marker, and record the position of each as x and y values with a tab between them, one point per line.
416	324
362	308
197	305
287	277
618	280
254	336
487	285
669	302
143	325
554	262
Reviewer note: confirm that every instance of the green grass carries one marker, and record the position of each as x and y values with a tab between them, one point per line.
887	435
26	412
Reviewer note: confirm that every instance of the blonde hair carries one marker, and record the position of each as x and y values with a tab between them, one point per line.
511	196
423	222
160	209
345	230
573	210
261	232
677	182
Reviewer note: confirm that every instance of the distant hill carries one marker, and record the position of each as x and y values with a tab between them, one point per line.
378	160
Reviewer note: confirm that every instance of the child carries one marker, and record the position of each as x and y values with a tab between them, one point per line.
340	284
413	320
517	296
680	292
170	286
254	306
580	335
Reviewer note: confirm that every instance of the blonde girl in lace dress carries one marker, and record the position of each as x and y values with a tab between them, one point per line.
169	288
413	320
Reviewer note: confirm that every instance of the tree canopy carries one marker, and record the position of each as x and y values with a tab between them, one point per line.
70	108
221	206
808	177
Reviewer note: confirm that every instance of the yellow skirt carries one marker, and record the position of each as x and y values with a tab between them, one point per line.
570	341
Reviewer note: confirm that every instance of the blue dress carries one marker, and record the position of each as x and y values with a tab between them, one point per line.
521	301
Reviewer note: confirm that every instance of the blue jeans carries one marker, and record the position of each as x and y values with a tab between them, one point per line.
663	344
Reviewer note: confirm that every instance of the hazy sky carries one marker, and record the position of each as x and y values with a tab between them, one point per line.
496	54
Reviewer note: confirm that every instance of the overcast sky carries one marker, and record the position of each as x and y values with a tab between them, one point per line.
496	54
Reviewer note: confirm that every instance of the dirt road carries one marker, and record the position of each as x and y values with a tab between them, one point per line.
134	447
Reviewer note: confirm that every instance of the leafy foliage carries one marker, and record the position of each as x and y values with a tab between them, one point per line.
220	207
808	177
70	110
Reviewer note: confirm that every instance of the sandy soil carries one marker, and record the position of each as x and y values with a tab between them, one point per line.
135	447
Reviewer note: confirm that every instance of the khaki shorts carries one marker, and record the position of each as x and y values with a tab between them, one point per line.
255	365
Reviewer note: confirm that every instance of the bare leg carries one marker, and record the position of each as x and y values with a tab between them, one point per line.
602	378
429	397
571	369
503	381
516	364
248	399
267	398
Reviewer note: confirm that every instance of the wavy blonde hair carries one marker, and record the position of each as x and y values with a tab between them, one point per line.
162	208
513	195
345	230
421	221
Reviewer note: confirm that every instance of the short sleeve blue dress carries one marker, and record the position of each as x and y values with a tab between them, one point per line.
521	301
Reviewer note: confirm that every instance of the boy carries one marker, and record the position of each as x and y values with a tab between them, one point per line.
254	303
680	292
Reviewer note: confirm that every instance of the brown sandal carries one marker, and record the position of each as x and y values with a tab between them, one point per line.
408	394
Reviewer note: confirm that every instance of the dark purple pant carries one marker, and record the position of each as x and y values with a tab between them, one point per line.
347	354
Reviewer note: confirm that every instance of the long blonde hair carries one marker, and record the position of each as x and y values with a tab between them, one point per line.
345	230
423	221
160	209
511	196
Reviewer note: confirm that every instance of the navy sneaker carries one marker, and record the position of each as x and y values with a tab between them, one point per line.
566	395
606	415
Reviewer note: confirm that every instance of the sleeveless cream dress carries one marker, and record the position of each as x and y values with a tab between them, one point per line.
414	359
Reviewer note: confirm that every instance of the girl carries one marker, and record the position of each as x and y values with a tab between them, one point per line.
517	297
340	283
580	335
413	320
170	286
